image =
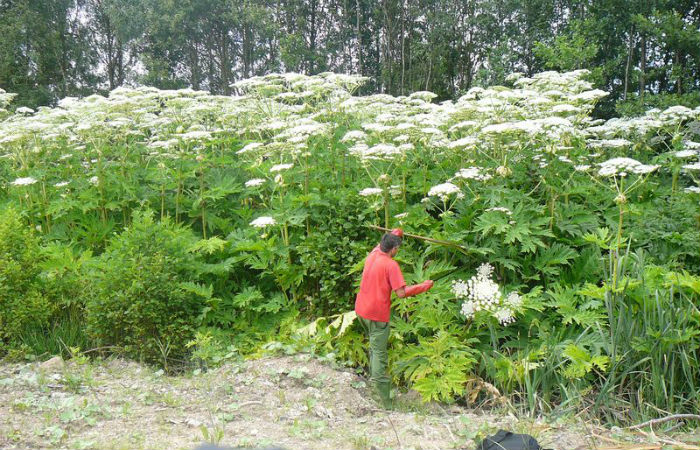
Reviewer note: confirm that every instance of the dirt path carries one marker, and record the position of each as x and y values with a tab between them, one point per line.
294	402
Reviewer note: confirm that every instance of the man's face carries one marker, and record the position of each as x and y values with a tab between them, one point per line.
393	251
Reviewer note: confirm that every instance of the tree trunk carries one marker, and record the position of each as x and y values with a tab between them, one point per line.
403	32
677	63
388	34
630	47
358	31
642	67
312	37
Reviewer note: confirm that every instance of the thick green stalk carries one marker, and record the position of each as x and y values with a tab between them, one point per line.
386	207
616	259
204	204
162	201
47	216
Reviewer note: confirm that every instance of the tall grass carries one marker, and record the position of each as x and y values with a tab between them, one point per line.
654	344
67	332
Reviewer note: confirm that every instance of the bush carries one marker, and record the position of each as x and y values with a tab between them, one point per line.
145	297
637	106
21	302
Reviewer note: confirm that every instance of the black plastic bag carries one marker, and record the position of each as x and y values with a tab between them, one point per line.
505	440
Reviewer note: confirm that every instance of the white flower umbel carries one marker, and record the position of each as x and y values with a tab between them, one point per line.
249	147
254	182
622	166
280	167
354	136
481	293
368	192
504	315
26	181
473	173
686	153
609	143
695	166
693	189
377	152
263	221
502	209
444	190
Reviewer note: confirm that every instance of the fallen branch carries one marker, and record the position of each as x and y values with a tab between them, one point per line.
665	419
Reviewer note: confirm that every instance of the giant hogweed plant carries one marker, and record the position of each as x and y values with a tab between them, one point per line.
503	169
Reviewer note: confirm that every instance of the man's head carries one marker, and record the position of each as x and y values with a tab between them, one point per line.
390	244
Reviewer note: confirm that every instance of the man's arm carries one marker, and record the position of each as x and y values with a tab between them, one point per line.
410	291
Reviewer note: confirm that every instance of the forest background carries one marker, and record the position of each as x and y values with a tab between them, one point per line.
53	49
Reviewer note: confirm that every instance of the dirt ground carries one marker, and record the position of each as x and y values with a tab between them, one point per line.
294	402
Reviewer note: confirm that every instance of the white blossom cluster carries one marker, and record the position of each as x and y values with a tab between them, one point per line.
369	192
473	173
652	121
622	166
380	151
263	221
277	115
281	167
25	181
444	191
481	293
687	153
253	182
502	209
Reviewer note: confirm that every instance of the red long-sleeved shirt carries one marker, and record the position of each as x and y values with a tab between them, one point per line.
380	276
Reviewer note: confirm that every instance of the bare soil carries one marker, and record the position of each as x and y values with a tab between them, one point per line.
294	402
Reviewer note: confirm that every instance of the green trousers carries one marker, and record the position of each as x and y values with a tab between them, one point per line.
378	333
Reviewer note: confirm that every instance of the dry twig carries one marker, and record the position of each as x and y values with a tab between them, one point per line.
653	422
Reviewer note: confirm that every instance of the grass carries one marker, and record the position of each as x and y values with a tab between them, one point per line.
66	333
654	341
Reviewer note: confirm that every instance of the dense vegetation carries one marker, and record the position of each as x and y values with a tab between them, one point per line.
643	52
178	227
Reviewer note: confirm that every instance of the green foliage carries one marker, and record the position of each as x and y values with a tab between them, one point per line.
637	106
570	51
438	366
145	295
210	349
21	301
335	245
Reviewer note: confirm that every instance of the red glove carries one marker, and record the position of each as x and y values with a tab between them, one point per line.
418	288
397	232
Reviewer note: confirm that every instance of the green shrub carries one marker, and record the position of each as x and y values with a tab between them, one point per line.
144	293
21	302
637	106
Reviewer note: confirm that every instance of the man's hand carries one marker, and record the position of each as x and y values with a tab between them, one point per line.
397	232
410	291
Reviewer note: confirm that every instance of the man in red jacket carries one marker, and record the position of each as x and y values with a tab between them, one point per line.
380	277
